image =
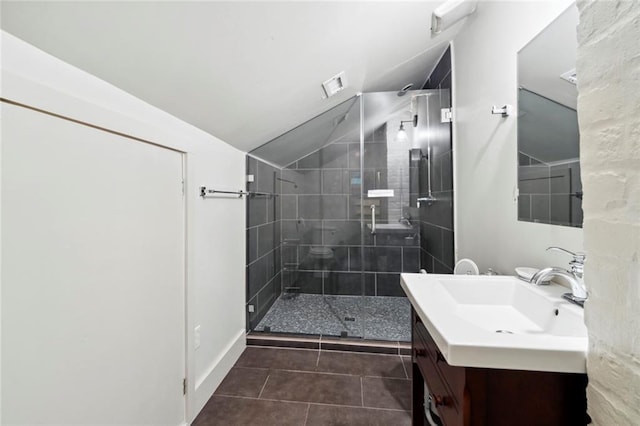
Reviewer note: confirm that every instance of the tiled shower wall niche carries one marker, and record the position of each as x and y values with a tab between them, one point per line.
436	219
264	268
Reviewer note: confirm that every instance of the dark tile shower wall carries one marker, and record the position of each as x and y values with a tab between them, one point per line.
436	220
263	240
440	77
321	228
549	193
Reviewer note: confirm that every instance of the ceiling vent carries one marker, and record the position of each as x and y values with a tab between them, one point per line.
570	76
335	84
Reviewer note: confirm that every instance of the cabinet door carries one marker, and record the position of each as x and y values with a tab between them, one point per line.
92	275
447	404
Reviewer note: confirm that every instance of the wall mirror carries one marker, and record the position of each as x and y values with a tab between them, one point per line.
550	190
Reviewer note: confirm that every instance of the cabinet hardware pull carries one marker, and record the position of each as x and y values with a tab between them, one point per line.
441	401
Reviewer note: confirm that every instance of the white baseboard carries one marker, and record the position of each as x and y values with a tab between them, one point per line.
209	382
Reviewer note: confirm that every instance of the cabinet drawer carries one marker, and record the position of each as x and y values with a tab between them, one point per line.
454	376
422	333
442	398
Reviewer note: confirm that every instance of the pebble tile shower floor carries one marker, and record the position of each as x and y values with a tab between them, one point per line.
385	318
302	387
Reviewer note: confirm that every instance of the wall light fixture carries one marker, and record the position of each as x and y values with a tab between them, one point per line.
451	12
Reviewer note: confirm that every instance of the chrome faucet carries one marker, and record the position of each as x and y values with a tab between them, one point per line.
575	276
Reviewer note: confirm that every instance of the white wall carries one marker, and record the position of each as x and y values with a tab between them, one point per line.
215	228
609	115
485	146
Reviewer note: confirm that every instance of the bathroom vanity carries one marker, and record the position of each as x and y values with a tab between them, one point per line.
530	370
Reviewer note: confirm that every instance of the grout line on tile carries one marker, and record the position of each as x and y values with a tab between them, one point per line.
250	368
358	352
329	373
264	385
281	348
264	336
395	410
387	378
272	369
314	403
361	391
318	359
406	373
306	417
367	376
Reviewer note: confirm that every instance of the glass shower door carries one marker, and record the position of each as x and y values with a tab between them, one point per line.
333	259
395	138
320	223
348	221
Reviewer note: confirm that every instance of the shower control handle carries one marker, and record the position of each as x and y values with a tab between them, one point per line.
373	219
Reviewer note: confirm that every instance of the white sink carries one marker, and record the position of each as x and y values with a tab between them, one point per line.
500	322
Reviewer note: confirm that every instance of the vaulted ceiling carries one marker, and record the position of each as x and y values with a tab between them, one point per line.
245	72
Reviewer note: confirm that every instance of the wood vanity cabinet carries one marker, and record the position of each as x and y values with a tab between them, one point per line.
466	396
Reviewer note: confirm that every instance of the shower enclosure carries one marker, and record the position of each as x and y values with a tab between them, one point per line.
334	217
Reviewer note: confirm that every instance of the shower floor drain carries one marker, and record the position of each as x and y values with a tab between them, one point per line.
504	331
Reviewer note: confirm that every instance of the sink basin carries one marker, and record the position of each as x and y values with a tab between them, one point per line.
500	322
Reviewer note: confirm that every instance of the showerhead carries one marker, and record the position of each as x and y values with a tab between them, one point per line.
405	89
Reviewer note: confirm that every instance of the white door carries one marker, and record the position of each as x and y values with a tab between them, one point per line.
93	290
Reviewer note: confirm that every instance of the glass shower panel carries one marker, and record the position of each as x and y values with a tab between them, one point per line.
320	191
348	221
393	131
340	122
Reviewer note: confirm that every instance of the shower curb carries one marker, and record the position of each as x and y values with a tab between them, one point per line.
328	343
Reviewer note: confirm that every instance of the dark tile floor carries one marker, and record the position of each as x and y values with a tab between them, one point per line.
273	386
